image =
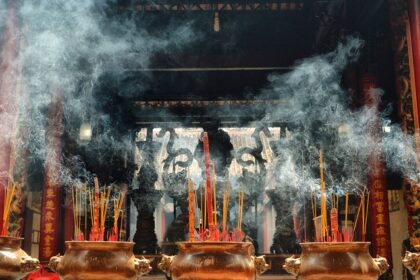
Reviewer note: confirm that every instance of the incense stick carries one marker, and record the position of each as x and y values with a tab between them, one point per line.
366	217
240	210
214	181
191	229
347	211
357	218
323	198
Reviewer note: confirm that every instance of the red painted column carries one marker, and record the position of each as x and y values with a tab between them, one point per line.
414	17
8	52
51	195
413	42
380	232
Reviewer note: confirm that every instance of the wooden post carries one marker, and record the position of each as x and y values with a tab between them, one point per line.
51	195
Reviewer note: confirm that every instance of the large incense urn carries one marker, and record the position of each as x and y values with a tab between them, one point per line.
213	261
94	260
412	262
14	262
336	260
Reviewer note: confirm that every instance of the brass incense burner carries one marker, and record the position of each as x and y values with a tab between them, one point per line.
336	260
213	261
94	260
412	262
14	262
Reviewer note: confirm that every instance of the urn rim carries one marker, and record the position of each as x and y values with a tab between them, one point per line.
99	245
335	246
215	246
11	241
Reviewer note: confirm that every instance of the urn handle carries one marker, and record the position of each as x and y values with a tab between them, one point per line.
292	265
54	262
165	264
412	262
28	264
261	265
382	264
142	266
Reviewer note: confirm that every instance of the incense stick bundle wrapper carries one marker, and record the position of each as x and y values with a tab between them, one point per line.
334	224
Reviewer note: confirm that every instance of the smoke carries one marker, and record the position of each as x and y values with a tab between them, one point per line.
321	118
67	49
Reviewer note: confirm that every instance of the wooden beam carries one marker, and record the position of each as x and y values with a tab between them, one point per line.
162	6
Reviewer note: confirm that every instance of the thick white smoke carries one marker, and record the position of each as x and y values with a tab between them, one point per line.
318	108
67	46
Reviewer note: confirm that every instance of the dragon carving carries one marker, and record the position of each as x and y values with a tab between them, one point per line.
174	154
254	152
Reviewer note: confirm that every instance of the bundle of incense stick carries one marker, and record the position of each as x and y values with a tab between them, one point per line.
364	208
214	181
8	198
95	234
324	226
346	232
238	234
202	215
104	201
315	216
118	206
240	210
77	201
225	208
209	194
191	229
335	233
205	210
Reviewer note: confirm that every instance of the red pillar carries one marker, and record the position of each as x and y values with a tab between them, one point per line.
414	18
7	86
413	41
51	195
380	233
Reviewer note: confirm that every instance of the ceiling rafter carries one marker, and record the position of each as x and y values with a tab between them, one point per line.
231	6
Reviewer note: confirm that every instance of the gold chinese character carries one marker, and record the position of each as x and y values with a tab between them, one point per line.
49	216
377	185
47	240
379	205
380	231
49	204
378	195
50	193
48	228
380	219
47	251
